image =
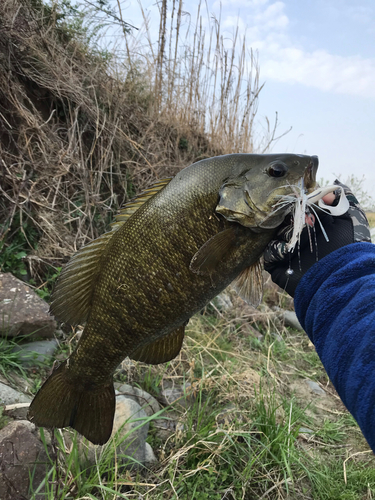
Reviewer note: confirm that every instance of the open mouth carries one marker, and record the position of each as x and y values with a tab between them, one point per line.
309	177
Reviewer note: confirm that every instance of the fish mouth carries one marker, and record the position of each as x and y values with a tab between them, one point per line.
309	178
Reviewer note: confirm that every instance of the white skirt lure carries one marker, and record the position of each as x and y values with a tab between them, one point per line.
302	201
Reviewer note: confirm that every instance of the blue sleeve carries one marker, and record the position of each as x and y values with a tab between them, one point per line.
335	303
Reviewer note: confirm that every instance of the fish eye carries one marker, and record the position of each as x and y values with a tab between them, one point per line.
277	170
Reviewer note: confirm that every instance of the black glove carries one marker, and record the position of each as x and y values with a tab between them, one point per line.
287	268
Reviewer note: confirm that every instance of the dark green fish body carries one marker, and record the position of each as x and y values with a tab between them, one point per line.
169	253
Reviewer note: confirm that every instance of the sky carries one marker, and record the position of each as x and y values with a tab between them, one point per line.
317	60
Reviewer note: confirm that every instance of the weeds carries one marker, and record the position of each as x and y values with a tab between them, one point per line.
4	420
45	289
9	357
84	132
236	435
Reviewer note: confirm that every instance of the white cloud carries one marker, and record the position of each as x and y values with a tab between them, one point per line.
282	57
231	23
319	69
238	3
362	14
272	17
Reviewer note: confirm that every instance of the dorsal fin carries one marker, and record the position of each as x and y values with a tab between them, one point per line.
132	206
71	299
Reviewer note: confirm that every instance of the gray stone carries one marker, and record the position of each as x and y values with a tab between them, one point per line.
17	381
167	426
223	302
315	387
22	457
147	402
172	394
9	396
16	403
150	457
130	429
277	336
36	353
22	312
229	416
305	430
290	319
180	394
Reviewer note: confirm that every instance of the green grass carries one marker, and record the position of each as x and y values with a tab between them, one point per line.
371	218
16	244
9	360
4	420
238	435
17	241
45	289
328	480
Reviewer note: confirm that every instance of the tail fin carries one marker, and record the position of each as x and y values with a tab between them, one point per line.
63	401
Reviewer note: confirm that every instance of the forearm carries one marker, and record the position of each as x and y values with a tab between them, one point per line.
335	303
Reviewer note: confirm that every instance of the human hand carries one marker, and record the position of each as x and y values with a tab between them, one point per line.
287	268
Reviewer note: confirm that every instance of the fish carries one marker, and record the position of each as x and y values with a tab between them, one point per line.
169	252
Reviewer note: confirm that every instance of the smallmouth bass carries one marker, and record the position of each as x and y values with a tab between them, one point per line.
170	251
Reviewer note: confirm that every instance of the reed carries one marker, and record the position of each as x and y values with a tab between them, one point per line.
84	129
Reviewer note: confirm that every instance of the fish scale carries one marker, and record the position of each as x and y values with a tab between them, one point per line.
170	251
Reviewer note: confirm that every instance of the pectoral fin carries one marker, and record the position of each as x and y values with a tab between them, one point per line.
162	350
213	252
249	284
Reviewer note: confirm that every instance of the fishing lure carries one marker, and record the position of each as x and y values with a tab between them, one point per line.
304	203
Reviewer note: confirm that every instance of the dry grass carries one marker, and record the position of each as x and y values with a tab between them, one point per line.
81	132
239	429
371	219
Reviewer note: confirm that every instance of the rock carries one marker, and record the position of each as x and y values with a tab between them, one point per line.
17	381
167	426
290	319
131	425
229	416
315	387
172	394
9	396
22	311
223	302
147	402
277	337
305	430
36	353
150	457
177	394
22	457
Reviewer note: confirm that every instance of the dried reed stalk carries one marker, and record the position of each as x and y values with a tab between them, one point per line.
80	133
